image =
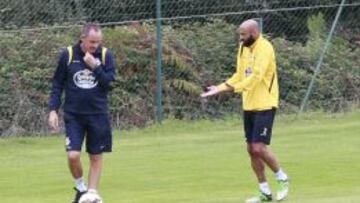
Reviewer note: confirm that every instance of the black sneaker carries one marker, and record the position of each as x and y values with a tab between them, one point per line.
77	195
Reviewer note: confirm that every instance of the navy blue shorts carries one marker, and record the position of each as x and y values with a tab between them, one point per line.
96	128
258	125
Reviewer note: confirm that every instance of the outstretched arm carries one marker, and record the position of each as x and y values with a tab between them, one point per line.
214	90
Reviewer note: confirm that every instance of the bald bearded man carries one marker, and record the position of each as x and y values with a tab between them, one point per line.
256	79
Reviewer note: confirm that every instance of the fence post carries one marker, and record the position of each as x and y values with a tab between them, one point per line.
159	108
317	69
260	23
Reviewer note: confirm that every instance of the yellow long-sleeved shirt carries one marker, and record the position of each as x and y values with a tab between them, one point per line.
256	76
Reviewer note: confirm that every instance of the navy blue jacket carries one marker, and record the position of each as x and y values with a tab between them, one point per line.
86	90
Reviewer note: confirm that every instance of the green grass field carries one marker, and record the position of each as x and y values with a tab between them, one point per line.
194	162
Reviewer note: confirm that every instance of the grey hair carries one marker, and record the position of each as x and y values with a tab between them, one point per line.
88	27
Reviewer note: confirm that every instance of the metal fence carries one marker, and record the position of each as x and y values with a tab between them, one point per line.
168	51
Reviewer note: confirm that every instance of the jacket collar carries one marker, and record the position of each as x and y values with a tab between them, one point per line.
260	38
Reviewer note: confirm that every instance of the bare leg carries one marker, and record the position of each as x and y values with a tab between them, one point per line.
270	160
258	165
95	170
75	164
260	154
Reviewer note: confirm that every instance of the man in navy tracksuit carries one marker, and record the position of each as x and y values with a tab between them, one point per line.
85	71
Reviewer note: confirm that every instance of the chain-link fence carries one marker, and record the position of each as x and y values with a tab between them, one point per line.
199	47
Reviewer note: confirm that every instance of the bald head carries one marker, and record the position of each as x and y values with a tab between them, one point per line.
250	25
249	31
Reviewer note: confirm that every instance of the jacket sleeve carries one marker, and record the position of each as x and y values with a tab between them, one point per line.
58	81
261	64
237	76
105	74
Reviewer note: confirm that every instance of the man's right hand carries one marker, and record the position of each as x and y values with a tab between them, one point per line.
212	90
54	121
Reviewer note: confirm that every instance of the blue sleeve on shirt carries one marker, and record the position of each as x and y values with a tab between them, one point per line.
58	81
105	74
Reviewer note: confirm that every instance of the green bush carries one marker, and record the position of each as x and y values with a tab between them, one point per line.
194	56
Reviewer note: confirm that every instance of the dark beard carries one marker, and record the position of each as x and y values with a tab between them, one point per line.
249	42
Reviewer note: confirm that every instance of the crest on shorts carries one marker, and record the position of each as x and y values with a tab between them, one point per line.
67	143
264	132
